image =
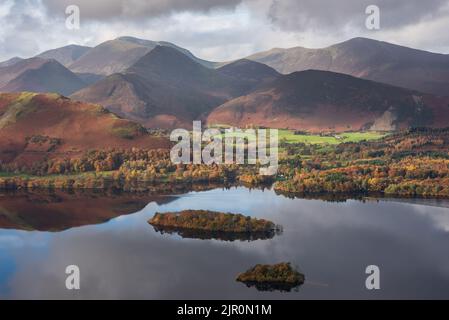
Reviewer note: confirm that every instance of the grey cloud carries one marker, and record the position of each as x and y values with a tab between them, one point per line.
112	9
33	26
19	29
325	15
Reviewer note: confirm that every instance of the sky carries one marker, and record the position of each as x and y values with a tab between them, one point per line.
221	30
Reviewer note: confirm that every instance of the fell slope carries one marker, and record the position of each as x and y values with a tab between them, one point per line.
326	101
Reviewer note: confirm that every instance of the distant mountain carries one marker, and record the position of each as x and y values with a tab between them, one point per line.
153	44
326	101
249	73
11	71
38	126
370	59
117	55
39	75
167	89
10	62
65	55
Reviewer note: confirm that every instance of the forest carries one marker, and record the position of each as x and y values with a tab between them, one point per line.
212	221
414	162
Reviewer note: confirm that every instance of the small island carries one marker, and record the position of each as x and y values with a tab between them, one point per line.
281	277
205	224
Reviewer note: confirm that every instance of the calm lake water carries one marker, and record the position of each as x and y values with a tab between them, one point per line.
121	256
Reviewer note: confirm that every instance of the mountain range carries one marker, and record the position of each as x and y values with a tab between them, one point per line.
166	88
73	67
357	84
369	59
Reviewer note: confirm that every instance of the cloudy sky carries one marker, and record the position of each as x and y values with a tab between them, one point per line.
221	29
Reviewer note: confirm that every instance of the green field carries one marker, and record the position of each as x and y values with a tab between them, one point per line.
290	137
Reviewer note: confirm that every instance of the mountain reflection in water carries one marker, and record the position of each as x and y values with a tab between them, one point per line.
58	211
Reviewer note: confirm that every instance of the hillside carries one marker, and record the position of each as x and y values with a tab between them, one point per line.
39	126
326	101
370	59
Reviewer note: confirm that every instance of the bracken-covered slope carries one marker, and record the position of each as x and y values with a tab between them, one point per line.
370	59
323	101
38	126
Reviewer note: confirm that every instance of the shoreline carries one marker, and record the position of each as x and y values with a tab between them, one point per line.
179	187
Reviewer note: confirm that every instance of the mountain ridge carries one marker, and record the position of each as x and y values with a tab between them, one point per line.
119	54
370	59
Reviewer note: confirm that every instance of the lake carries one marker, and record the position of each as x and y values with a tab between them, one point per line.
121	256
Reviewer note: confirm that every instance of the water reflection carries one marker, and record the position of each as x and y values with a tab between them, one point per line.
333	242
217	235
273	286
58	211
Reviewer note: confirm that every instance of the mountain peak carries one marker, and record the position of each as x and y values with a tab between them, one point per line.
137	41
167	62
41	75
362	39
247	69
